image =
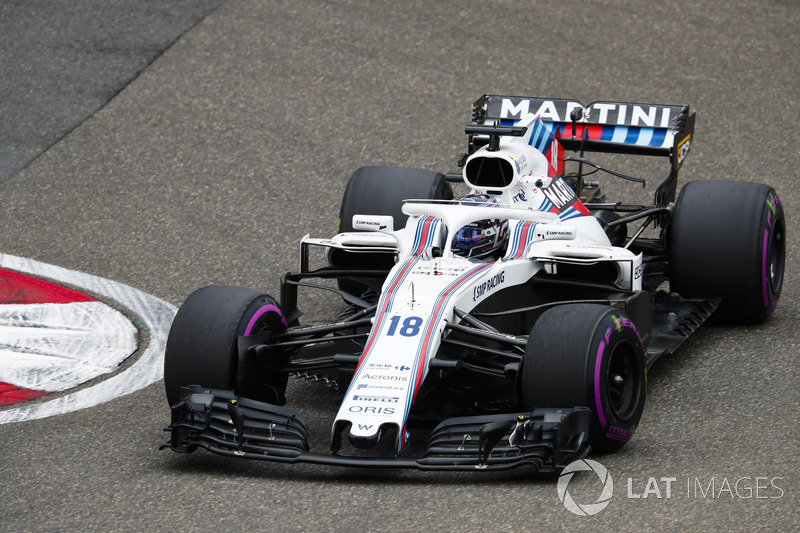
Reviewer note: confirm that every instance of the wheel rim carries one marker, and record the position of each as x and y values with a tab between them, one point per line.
777	253
623	381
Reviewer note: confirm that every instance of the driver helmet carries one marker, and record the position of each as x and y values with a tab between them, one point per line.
481	238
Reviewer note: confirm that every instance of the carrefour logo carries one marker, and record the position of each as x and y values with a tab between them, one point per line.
605	493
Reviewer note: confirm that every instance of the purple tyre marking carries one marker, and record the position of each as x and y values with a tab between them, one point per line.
764	272
265	309
597	364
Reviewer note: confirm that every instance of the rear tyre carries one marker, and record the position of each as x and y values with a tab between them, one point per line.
381	191
587	355
202	347
728	240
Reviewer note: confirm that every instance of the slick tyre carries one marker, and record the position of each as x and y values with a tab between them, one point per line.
381	191
587	355
728	239
202	347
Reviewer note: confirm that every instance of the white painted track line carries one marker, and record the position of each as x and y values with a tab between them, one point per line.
156	314
53	347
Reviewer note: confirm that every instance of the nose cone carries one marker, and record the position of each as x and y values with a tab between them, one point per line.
363	440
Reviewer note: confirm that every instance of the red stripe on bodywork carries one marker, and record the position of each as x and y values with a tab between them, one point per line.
433	321
522	241
593	132
426	228
380	315
430	328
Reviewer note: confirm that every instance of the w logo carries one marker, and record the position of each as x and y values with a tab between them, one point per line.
586	509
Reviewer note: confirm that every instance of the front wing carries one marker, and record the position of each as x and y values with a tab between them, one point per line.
219	421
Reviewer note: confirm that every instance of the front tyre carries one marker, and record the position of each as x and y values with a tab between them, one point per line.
728	240
202	347
587	355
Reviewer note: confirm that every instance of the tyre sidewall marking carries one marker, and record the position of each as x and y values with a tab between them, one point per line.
772	214
616	329
262	314
265	314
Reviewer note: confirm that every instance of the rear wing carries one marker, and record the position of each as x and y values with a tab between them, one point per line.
609	127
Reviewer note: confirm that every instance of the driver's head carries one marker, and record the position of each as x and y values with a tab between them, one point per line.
482	238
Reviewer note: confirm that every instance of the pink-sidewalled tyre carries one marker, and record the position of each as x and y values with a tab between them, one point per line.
202	347
728	240
587	355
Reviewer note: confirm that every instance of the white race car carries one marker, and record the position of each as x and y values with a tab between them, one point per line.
511	326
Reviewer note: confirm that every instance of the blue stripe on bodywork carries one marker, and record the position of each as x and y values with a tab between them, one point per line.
633	136
620	134
657	140
439	307
523	234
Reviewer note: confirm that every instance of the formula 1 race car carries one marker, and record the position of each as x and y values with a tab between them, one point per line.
511	326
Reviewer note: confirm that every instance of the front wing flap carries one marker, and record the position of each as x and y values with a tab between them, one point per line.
223	423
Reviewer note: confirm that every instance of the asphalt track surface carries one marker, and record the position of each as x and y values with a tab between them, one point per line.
210	158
